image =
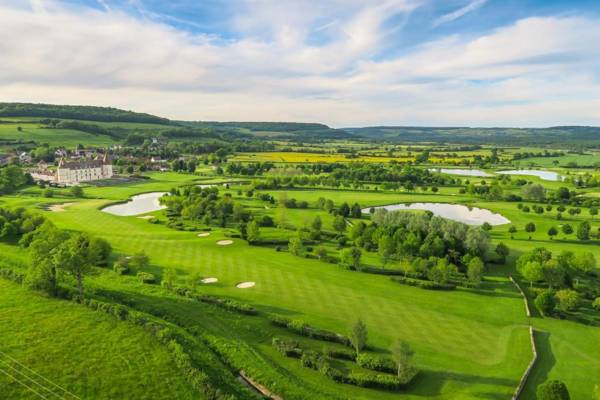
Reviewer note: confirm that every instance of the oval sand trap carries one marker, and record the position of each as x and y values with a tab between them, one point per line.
59	207
245	285
204	234
224	242
209	280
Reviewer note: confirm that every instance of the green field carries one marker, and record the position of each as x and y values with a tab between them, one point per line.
54	137
48	343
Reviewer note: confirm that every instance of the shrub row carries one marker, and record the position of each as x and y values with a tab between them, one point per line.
228	304
381	271
11	274
288	348
318	362
381	381
376	363
340	354
146	277
428	285
302	328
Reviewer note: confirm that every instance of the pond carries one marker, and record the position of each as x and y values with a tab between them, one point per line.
463	172
455	212
138	204
545	175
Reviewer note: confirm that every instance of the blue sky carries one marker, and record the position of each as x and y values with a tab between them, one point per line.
341	62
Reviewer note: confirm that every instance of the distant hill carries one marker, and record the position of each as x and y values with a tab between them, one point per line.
287	130
87	119
85	113
583	135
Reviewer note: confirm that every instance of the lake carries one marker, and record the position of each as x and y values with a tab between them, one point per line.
455	212
545	175
463	172
138	204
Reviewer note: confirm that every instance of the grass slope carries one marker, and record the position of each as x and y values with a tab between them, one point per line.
89	354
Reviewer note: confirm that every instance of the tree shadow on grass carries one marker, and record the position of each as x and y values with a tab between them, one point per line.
490	293
277	310
430	383
543	365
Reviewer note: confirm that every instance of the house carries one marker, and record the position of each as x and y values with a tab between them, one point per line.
73	172
84	153
42	174
24	158
59	153
157	160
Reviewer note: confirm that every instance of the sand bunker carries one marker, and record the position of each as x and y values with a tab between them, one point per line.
209	280
146	217
59	207
245	285
204	234
224	242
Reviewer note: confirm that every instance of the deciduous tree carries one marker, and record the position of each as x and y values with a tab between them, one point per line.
358	336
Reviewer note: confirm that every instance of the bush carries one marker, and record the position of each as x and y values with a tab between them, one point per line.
302	328
121	266
596	303
340	354
11	274
545	302
375	381
312	359
552	390
381	271
375	363
278	320
288	348
146	277
228	304
428	285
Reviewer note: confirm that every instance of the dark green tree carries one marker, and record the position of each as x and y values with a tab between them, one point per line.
553	390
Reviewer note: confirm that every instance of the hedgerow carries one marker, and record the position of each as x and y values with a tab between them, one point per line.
302	328
288	348
428	285
376	363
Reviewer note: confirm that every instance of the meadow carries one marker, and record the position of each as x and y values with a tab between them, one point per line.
67	346
54	137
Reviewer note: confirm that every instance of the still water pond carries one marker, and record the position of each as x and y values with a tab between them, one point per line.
138	204
545	175
456	212
462	172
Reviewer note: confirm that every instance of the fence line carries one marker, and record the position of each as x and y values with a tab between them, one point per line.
522	295
23	384
523	380
521	385
26	368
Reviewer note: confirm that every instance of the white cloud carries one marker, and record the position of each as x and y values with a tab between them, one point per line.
538	71
461	12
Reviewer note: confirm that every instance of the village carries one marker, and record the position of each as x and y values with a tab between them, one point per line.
72	167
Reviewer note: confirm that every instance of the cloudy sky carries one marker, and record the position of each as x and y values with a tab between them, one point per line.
341	62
